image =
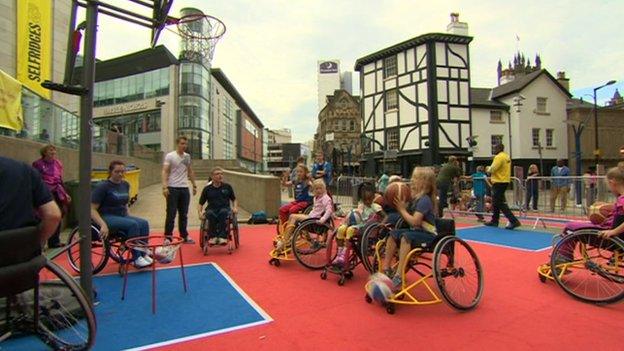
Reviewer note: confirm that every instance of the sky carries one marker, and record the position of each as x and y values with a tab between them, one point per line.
271	47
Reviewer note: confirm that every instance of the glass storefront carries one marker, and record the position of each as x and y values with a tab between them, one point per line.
132	88
133	124
194	114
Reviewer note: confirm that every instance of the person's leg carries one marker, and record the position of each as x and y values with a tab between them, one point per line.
498	193
222	218
55	239
143	225
535	197
284	211
443	195
172	202
480	206
129	227
184	200
298	207
212	218
564	197
553	197
341	233
390	250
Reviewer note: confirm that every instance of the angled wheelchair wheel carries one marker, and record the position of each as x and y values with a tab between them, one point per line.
372	234
235	232
116	249
590	268
99	253
65	319
309	243
458	273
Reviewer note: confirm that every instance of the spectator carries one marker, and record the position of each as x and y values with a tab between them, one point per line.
589	180
448	175
479	186
382	183
25	200
322	169
300	162
532	188
560	186
51	170
501	176
44	135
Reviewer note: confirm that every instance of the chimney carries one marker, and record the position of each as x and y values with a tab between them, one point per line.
456	27
565	82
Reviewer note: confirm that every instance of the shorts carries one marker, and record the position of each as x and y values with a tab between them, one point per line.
416	237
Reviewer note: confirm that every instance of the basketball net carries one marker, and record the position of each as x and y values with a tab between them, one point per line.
200	34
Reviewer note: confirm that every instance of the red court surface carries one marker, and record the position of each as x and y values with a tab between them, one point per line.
517	311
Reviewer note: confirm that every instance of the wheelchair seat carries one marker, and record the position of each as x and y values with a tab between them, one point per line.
20	260
445	228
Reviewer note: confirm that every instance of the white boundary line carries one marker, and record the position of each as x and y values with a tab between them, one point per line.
266	317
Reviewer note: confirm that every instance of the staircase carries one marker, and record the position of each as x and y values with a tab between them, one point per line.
203	168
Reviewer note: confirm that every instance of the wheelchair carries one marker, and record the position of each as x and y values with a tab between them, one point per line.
101	250
38	297
448	259
308	245
587	266
231	228
278	225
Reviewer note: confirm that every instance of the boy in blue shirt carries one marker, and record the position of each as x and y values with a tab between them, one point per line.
479	188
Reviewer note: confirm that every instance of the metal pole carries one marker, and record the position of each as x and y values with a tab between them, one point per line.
70	57
86	134
577	141
596	155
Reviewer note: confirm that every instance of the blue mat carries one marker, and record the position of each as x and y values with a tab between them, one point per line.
212	305
520	239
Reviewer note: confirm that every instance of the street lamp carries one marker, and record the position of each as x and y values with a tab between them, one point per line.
578	130
597	149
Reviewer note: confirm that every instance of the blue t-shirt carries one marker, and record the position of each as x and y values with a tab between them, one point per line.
217	197
112	197
423	205
302	191
327	168
478	183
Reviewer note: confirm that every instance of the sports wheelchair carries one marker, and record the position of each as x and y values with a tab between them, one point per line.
587	266
448	259
40	298
231	227
101	250
308	244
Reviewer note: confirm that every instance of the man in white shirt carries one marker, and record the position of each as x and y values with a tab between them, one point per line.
176	171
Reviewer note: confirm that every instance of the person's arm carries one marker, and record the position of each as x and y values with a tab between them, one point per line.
329	172
191	174
165	176
329	209
201	203
97	218
613	232
496	164
414	220
50	218
233	200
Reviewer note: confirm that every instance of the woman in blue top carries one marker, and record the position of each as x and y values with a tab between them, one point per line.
109	209
479	189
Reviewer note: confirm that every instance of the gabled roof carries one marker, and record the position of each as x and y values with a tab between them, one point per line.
480	97
521	82
331	99
439	37
218	74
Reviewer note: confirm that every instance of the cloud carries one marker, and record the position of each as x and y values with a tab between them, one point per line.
271	47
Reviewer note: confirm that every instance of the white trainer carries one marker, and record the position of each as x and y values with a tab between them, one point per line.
148	259
213	241
141	262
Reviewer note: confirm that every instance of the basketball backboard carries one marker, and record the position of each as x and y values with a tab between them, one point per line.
160	15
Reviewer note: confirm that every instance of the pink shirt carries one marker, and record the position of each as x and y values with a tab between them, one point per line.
52	175
323	206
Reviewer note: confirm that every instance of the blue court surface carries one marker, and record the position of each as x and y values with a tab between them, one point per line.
212	305
518	239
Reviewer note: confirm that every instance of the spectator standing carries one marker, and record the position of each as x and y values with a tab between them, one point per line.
382	183
501	176
589	180
448	175
532	188
479	187
322	170
51	170
560	185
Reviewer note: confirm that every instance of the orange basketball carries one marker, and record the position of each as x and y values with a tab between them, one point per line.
600	211
397	189
379	199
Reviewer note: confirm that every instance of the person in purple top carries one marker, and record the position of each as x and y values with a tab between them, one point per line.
51	170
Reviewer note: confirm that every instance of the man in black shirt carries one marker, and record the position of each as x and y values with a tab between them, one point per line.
218	195
25	200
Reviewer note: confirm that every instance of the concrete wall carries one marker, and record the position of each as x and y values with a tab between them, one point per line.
255	192
27	151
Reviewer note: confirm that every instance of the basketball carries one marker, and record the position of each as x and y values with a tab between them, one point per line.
379	288
600	211
379	199
164	254
397	189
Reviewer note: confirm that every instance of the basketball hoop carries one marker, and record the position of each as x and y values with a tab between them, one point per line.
200	32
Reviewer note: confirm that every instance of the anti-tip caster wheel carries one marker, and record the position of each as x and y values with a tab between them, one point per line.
368	299
541	278
341	281
349	275
324	274
390	308
277	263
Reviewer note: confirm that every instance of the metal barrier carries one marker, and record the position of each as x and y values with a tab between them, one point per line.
344	190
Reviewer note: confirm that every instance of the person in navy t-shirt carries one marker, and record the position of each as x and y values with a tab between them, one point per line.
303	199
218	195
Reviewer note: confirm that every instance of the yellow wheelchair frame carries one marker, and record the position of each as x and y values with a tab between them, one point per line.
406	295
288	254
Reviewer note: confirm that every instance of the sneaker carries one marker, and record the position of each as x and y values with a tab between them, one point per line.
397	283
491	224
141	262
513	225
213	241
222	241
148	259
389	273
188	240
481	220
340	258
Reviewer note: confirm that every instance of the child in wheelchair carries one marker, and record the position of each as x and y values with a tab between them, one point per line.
615	182
420	215
323	209
366	210
221	202
301	185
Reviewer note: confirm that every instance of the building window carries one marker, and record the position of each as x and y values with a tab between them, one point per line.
390	66
496	140
496	117
391	101
392	138
535	136
550	136
352	125
541	104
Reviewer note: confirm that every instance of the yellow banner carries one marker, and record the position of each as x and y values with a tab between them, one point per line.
10	103
34	44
